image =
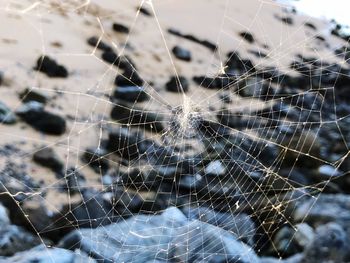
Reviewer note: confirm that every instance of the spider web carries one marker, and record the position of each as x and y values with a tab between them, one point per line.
240	141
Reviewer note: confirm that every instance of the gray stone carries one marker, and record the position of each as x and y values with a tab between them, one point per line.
6	115
145	238
14	238
331	244
43	254
215	168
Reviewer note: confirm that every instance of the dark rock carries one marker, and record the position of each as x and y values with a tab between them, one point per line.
177	84
96	159
13	238
33	95
6	115
96	42
204	43
247	37
310	25
51	68
181	53
133	116
287	20
94	210
48	158
74	181
129	78
44	254
235	62
144	11
254	88
110	56
131	94
36	116
120	28
125	143
220	82
159	237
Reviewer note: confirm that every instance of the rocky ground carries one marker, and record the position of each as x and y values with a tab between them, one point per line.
172	131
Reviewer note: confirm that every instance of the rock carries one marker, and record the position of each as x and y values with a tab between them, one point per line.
289	241
293	259
131	94
96	159
33	95
14	238
327	172
204	43
36	116
331	244
215	168
169	236
6	115
48	158
304	235
310	25
96	42
94	210
241	225
74	181
220	82
234	62
134	116
110	57
247	37
43	254
324	208
51	68
129	78
254	88
177	84
120	28
181	53
144	11
125	143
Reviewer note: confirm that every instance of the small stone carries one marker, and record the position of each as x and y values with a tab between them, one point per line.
6	115
120	28
34	114
215	168
48	158
96	159
177	84
51	68
96	42
130	78
131	94
247	36
33	95
181	53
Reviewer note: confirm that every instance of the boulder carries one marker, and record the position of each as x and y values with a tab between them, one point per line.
43	254
120	28
33	95
169	236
